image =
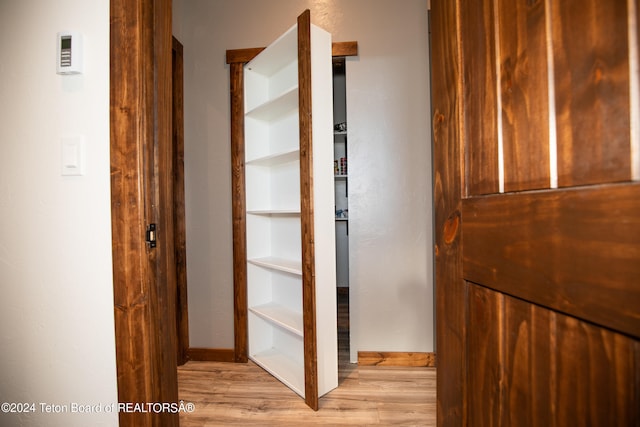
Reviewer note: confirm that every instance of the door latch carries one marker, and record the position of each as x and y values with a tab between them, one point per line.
151	235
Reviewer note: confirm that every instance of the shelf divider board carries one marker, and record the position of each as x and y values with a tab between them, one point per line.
275	212
280	106
276	158
280	264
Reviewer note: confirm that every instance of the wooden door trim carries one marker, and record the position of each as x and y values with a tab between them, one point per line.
242	56
140	129
180	241
211	354
239	214
396	358
236	58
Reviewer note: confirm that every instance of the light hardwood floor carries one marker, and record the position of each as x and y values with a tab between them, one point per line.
243	394
227	394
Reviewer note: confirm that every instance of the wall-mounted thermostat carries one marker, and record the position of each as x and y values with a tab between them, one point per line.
69	60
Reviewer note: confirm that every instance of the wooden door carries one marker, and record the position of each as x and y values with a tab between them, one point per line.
141	194
537	200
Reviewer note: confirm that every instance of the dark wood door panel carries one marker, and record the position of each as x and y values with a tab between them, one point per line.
551	87
576	251
532	366
590	50
524	94
537	292
480	99
484	340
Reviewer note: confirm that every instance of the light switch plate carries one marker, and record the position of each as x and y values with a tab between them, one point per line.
73	155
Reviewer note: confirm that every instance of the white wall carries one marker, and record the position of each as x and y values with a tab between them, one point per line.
56	308
389	161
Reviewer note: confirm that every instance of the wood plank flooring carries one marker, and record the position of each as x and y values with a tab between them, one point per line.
227	394
243	394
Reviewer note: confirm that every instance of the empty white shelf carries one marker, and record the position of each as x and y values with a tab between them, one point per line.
281	316
280	264
287	370
275	212
276	158
277	107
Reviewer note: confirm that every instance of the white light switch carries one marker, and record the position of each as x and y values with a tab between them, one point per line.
73	156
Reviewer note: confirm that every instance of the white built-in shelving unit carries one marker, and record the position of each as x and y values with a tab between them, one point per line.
276	282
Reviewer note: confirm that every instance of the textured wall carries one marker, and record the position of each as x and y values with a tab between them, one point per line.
56	309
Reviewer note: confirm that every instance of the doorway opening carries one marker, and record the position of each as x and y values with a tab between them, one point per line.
340	168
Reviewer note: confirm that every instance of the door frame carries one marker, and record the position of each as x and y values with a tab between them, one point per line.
180	241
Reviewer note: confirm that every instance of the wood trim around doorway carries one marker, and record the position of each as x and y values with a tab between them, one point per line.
179	235
242	56
211	354
396	358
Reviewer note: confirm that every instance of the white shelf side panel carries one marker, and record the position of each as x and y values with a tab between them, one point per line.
324	214
278	351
